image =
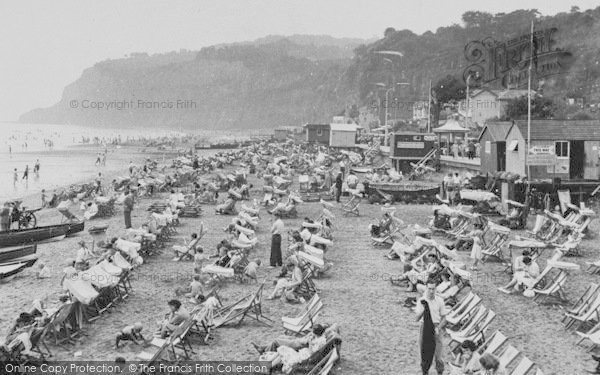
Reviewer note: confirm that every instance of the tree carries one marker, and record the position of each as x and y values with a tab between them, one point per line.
449	89
541	108
575	9
389	32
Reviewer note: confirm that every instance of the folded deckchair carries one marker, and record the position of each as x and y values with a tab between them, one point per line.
305	320
250	306
585	313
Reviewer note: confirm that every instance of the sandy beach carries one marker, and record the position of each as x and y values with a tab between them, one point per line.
379	334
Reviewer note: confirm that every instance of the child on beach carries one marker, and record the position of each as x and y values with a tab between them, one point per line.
130	333
199	259
43	271
44	199
251	269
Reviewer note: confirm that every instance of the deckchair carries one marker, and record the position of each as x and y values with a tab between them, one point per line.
497	243
307	287
305	320
555	289
592	335
523	367
469	320
589	297
509	355
351	206
61	326
585	314
326	365
539	372
463	309
314	362
250	306
493	343
474	331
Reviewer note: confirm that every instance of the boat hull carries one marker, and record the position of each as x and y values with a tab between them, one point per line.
10	254
19	237
406	192
14	267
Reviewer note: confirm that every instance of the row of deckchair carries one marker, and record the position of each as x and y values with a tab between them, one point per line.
469	320
584	316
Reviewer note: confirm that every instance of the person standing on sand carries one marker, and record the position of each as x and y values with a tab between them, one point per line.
128	207
338	187
26	173
432	323
276	229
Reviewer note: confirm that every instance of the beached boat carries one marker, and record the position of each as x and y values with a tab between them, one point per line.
406	191
18	237
361	169
11	253
13	267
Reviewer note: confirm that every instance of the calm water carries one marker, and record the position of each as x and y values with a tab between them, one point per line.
66	163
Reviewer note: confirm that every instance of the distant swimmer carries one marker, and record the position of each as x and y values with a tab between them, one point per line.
15	176
26	173
36	166
98	159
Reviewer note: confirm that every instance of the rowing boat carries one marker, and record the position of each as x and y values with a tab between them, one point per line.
12	268
406	191
11	253
18	237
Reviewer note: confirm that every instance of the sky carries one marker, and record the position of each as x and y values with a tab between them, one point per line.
47	44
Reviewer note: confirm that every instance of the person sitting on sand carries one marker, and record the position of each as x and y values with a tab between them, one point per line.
173	319
194	290
188	250
284	285
43	272
130	333
524	278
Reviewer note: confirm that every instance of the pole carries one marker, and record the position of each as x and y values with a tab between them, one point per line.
529	105
429	110
467	100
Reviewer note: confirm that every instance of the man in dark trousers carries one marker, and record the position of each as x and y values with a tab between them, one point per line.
338	187
128	207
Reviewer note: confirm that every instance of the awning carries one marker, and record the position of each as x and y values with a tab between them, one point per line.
514	145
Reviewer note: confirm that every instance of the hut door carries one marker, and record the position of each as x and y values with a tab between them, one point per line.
576	160
592	160
501	155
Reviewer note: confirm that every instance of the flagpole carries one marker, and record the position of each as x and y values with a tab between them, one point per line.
529	105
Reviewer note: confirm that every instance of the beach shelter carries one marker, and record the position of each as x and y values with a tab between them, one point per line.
451	132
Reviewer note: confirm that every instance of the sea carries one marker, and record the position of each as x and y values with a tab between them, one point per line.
69	160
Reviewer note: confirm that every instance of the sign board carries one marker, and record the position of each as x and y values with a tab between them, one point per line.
541	159
506	63
429	138
410	145
542	149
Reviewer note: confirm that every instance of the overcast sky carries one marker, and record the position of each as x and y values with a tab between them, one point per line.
47	44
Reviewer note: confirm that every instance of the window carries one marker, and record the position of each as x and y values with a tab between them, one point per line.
319	132
514	145
561	149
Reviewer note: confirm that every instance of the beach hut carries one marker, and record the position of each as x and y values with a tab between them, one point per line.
410	147
560	149
317	133
492	142
342	135
280	134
